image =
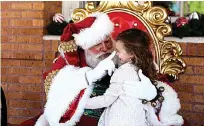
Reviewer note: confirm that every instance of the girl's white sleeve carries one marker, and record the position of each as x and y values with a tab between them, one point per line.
105	100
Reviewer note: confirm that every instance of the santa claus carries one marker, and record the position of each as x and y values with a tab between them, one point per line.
85	67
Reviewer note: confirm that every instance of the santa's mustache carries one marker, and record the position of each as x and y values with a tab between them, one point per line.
93	59
103	54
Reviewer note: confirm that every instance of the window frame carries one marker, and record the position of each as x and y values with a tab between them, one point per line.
66	6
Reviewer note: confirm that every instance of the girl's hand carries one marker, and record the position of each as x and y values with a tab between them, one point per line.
141	89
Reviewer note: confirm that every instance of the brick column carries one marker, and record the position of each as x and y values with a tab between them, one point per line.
23	55
190	86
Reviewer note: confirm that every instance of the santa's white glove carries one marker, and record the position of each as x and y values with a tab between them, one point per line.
58	18
104	67
141	89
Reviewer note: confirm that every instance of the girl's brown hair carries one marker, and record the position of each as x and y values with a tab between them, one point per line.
137	42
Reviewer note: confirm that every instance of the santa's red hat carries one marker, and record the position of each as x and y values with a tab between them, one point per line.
90	31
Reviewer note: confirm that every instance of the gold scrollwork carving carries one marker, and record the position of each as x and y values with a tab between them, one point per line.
79	14
167	53
135	6
162	31
156	16
90	8
171	62
69	46
169	49
173	66
48	80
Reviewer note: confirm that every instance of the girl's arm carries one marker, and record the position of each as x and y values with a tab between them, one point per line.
106	99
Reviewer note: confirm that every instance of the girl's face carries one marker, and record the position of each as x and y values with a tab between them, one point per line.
122	53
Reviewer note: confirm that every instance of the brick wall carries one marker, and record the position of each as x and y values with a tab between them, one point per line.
190	86
24	55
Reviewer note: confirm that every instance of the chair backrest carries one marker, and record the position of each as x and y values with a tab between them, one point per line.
151	19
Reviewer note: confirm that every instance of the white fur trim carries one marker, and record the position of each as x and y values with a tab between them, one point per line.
65	87
151	116
98	31
168	113
42	121
170	106
80	109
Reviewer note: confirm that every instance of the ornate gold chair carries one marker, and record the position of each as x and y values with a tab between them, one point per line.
151	19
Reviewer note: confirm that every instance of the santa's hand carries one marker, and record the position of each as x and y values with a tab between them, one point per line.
104	67
141	89
58	18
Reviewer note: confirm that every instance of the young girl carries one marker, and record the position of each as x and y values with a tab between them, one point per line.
123	101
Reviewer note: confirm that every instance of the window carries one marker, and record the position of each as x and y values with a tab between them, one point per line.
69	6
177	9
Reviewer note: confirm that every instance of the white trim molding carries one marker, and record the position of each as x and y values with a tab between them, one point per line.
51	37
186	39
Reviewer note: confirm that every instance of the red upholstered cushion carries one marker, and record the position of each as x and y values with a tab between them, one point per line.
125	21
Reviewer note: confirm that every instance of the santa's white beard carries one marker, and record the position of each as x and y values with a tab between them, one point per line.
92	60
